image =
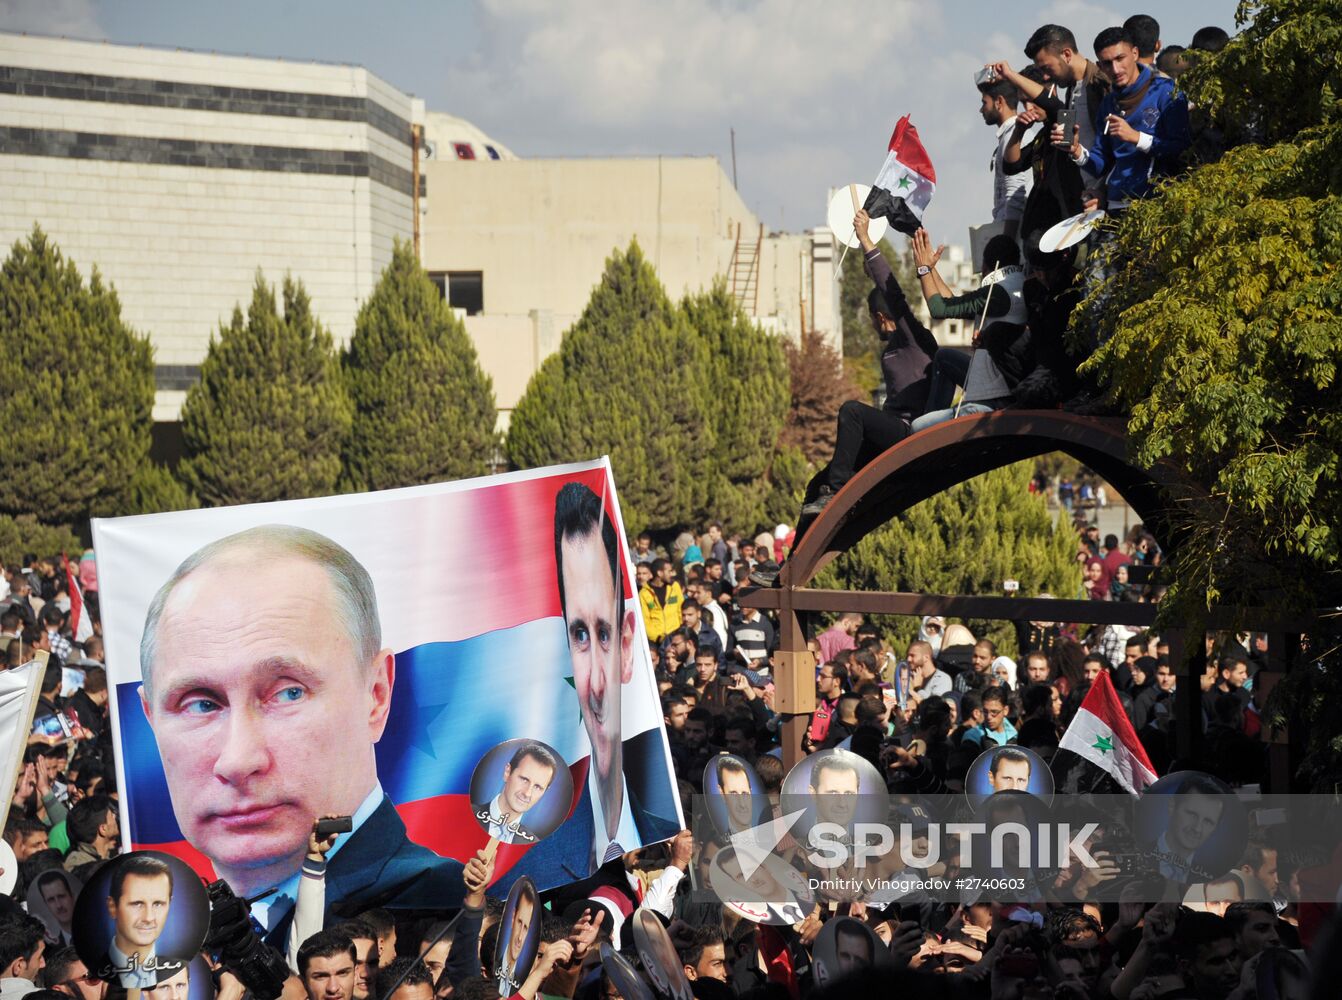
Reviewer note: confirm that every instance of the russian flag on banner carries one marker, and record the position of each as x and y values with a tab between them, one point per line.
906	182
467	595
81	627
436	734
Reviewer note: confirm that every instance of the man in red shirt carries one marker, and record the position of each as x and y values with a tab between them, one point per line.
1114	556
839	636
829	685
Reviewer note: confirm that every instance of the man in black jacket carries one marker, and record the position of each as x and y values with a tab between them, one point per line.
864	431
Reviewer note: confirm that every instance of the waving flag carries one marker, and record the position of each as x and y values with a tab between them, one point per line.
906	181
1103	735
80	624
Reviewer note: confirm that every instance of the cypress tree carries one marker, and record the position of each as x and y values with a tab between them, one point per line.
270	414
966	540
76	389
24	533
819	387
630	379
749	371
423	408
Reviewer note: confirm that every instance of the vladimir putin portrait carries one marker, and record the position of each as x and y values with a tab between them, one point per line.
266	683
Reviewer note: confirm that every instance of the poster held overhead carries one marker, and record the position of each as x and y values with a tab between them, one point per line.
273	663
846	203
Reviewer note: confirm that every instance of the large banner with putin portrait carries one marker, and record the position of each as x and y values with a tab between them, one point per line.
452	666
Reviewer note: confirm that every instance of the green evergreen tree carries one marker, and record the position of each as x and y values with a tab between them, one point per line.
967	540
76	389
749	369
630	379
788	476
154	489
270	414
423	408
1221	332
24	533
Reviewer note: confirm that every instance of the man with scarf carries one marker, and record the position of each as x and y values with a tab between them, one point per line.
1144	124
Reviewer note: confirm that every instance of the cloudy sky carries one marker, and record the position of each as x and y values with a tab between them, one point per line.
812	88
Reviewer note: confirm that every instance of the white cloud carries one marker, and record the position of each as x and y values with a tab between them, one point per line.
626	64
813	89
71	18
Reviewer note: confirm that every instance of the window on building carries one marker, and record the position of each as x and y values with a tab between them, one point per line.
464	150
466	290
439	279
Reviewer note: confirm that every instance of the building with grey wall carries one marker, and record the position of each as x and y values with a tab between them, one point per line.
178	174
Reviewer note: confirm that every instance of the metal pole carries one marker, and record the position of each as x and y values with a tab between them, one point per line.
416	132
734	158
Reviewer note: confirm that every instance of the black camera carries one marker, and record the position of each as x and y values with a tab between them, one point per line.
239	949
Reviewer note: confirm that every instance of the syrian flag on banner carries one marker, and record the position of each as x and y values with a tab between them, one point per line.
1103	735
906	181
81	626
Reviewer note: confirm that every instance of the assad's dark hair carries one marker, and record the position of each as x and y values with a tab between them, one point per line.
536	752
578	513
142	865
1007	753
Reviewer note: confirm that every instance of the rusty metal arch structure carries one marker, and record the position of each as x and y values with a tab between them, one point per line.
923	465
954	452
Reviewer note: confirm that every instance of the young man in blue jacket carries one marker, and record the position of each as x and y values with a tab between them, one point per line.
1143	124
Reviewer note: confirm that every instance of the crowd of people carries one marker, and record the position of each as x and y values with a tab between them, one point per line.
1072	133
921	714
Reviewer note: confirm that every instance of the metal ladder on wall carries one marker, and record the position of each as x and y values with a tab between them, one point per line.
745	271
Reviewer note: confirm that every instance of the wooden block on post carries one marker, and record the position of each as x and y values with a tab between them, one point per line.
794	682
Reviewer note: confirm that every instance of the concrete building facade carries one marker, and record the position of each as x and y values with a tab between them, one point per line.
179	174
518	245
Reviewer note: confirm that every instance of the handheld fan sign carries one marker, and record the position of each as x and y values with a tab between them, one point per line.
1070	232
843	206
521	791
519	937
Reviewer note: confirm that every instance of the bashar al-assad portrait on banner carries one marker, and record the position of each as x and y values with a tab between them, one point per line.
600	628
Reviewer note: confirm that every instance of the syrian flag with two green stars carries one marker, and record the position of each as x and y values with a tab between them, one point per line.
906	181
1103	735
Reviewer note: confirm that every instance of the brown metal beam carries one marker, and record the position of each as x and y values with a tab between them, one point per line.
1039	609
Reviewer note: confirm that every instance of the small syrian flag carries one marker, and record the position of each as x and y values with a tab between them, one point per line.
81	626
906	181
1103	735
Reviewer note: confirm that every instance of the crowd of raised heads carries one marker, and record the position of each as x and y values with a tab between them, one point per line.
921	712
